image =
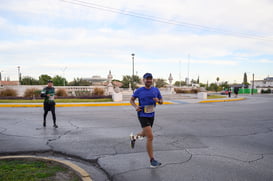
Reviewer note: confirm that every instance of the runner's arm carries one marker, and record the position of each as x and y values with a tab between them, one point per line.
132	101
158	99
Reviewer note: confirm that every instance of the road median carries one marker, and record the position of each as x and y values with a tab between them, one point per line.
70	104
222	100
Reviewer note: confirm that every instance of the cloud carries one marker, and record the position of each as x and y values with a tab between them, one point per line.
94	41
2	21
265	61
239	16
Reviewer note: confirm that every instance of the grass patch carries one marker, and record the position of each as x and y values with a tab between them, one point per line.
33	170
56	100
216	96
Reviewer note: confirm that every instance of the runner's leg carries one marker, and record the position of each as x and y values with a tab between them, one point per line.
53	114
148	132
45	114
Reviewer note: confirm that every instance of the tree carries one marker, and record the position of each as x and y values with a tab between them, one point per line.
193	81
128	79
160	83
245	80
79	82
213	87
178	83
59	81
203	85
43	79
197	80
27	80
225	85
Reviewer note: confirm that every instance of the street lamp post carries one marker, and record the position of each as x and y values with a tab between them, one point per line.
133	66
252	84
19	75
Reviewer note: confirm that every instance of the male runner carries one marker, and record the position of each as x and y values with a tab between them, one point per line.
49	104
147	96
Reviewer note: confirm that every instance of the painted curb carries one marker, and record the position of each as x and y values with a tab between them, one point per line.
224	100
81	172
71	105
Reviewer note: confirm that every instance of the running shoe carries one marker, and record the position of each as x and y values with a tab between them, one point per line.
154	163
44	124
132	140
55	126
139	137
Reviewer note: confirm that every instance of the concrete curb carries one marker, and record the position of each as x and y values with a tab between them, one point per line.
79	171
106	104
70	104
224	100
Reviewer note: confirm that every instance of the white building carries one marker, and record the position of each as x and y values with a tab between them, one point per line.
96	80
265	84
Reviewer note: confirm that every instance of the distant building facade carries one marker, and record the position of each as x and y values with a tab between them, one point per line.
96	80
5	83
267	83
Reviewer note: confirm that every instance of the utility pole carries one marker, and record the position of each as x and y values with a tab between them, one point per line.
179	73
1	78
133	70
64	75
188	80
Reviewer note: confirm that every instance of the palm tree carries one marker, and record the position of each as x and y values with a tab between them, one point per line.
217	79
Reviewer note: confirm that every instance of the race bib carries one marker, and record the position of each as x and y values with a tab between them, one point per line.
51	98
149	109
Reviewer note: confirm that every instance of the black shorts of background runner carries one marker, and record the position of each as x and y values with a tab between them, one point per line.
146	121
50	106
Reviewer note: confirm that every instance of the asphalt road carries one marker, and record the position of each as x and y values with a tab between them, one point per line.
213	141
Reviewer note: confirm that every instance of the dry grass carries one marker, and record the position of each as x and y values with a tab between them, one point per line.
8	92
61	92
186	91
98	92
32	92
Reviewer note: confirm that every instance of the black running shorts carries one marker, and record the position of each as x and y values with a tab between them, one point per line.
49	106
146	121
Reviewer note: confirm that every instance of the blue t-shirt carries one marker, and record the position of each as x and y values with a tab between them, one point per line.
145	98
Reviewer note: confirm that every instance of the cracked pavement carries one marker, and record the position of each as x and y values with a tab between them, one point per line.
215	141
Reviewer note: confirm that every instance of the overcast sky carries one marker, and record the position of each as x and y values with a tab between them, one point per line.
209	39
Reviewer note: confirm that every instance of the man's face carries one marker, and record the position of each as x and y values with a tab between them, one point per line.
148	81
50	84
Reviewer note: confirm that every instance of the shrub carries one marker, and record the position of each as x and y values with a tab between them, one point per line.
32	92
195	91
267	91
180	90
8	92
186	90
83	93
98	92
61	93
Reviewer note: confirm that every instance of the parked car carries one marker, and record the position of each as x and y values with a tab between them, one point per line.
224	92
